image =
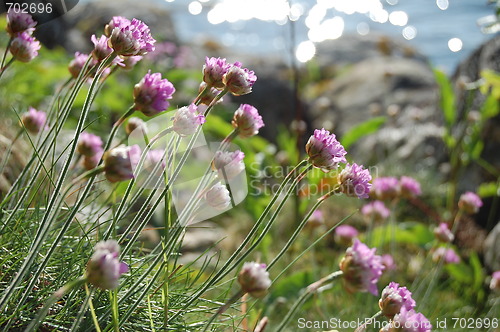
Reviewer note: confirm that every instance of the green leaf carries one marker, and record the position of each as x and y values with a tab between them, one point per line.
406	232
489	189
361	130
289	287
447	97
490	108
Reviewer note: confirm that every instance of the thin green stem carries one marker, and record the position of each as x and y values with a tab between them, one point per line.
6	51
223	308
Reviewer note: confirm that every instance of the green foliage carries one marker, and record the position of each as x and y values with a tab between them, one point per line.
363	129
447	97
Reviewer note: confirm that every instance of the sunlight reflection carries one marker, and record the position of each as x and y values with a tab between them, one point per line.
455	44
305	51
195	8
399	18
328	29
442	4
235	10
409	32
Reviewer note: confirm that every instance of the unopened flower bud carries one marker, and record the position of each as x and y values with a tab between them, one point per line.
18	22
24	47
218	197
470	203
354	181
324	151
187	120
104	269
213	72
120	162
89	144
228	164
345	234
239	81
33	120
136	124
247	121
443	233
254	279
152	93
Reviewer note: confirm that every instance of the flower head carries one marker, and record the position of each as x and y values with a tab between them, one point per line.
495	281
447	254
89	144
130	37
18	22
101	48
354	180
408	321
24	47
136	124
394	298
218	197
239	81
470	202
388	262
375	210
120	162
33	120
409	187
385	188
76	65
229	164
254	279
152	93
247	121
361	268
324	151
213	72
104	269
116	22
316	220
345	234
443	233
187	120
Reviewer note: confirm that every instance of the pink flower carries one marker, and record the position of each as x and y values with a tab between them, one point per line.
76	65
385	188
18	22
24	47
33	120
89	144
354	181
316	220
104	269
187	120
130	37
470	202
448	255
345	234
101	48
239	81
409	187
120	162
153	158
388	262
254	279
152	93
92	161
218	197
136	124
443	233
361	268
394	298
375	210
324	151
213	72
228	164
247	121
408	321
495	281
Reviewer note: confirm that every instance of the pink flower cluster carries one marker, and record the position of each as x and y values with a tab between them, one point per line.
152	93
394	298
345	234
408	321
247	121
20	26
354	180
34	120
361	268
228	164
217	73
375	210
129	38
324	151
470	202
387	188
120	162
443	233
187	120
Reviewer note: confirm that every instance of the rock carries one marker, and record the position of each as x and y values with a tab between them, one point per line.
72	31
492	249
404	90
487	56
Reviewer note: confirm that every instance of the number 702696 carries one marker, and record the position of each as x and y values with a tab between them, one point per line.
29	7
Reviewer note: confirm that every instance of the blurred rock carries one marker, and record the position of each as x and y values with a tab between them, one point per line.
72	31
403	90
492	249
